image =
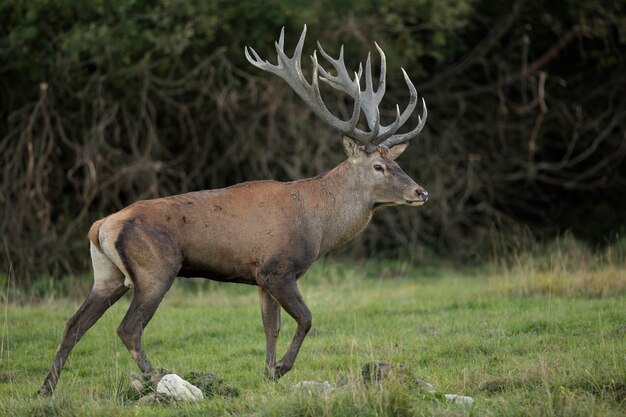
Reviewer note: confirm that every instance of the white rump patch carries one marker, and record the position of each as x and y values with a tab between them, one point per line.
106	276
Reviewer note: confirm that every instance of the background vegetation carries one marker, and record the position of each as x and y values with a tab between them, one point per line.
551	344
106	102
103	103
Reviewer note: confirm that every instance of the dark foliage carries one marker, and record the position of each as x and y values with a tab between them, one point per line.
104	103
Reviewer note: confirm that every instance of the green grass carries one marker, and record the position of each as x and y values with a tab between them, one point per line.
516	353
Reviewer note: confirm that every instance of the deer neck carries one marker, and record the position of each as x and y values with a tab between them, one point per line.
342	208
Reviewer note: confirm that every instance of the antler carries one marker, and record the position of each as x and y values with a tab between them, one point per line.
289	69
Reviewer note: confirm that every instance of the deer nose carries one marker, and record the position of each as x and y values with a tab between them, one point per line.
423	194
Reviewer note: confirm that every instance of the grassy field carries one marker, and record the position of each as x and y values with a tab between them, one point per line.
517	352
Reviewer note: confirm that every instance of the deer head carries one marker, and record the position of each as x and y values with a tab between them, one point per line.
371	152
380	177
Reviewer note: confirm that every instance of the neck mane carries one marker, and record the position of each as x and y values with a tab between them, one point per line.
340	206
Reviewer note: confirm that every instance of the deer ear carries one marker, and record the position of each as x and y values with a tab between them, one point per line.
352	148
395	151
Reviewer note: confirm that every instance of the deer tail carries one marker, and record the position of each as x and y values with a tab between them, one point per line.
94	234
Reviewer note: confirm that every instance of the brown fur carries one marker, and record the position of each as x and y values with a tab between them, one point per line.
263	233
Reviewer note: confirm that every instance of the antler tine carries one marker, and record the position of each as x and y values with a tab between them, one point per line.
371	98
354	119
401	118
256	60
382	80
370	107
281	39
392	128
297	53
405	137
342	80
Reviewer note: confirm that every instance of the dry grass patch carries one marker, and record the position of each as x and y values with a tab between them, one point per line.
565	267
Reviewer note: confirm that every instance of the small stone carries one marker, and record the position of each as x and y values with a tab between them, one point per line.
619	331
342	380
424	386
211	384
148	399
137	382
314	387
176	388
379	371
6	377
459	399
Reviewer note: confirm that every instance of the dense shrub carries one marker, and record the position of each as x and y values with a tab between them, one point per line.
104	103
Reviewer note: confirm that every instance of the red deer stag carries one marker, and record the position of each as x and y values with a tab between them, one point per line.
263	233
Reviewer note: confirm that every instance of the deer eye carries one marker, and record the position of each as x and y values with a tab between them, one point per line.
379	168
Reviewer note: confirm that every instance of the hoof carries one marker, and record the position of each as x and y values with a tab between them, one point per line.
274	373
44	391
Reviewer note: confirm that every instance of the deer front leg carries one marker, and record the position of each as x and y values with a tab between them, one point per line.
288	296
270	313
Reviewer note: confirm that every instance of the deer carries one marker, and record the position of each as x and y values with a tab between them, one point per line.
261	233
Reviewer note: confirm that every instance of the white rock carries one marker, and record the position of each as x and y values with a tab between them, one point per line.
459	399
176	388
314	387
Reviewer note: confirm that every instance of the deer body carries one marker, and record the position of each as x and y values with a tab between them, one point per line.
210	233
263	233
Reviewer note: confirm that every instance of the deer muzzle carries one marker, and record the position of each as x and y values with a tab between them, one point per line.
418	197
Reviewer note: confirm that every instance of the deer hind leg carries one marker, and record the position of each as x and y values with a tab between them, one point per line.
145	301
150	258
286	293
108	287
